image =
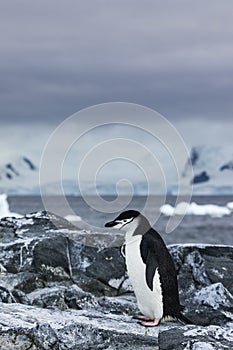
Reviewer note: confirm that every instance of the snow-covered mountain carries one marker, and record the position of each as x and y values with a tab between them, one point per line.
212	170
18	176
209	169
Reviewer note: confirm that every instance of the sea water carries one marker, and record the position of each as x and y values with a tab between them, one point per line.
193	228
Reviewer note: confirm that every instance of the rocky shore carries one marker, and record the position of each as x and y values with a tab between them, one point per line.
58	291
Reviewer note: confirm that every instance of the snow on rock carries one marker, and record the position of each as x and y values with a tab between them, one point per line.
196	337
200	345
59	293
225	333
116	283
193	208
215	295
71	329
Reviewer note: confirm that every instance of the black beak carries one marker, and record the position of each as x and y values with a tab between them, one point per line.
110	224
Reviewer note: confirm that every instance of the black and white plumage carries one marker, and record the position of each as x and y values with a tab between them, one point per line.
151	269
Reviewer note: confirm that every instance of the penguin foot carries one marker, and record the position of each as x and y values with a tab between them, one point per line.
143	318
152	323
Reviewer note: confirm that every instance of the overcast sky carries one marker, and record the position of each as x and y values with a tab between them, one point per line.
60	56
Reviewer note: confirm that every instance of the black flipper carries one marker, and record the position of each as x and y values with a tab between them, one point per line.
155	255
151	266
149	258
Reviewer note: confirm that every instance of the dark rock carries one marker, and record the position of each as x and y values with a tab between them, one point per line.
30	282
6	296
59	293
196	338
227	166
51	253
194	157
24	281
202	296
29	163
113	265
76	298
17	257
20	297
10	167
199	178
37	328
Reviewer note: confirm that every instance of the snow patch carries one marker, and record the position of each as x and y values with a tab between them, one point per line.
116	282
23	222
65	231
38	214
127	285
202	346
25	242
85	264
217	273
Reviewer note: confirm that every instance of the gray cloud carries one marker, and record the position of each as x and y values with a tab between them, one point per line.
58	57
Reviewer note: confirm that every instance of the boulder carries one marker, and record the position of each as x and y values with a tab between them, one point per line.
28	327
196	338
63	288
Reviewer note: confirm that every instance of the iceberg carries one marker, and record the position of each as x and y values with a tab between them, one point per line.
193	208
230	205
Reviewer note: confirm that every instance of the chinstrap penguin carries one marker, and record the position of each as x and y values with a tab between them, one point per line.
151	270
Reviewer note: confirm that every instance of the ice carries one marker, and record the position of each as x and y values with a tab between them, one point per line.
230	205
193	208
167	210
4	208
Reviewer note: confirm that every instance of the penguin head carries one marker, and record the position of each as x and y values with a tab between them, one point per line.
124	219
132	221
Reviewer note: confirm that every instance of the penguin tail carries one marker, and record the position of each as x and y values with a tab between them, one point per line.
184	319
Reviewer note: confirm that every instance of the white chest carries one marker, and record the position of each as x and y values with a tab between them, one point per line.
149	302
